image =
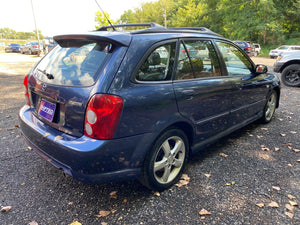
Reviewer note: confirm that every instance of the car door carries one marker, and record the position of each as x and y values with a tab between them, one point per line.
201	92
249	90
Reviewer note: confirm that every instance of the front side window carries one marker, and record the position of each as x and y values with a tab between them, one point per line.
74	66
197	59
235	61
158	65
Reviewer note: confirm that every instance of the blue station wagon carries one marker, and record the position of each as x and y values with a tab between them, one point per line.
118	104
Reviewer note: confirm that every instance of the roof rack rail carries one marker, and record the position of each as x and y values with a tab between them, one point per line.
191	28
150	25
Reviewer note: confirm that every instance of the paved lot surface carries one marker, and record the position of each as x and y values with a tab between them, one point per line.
250	177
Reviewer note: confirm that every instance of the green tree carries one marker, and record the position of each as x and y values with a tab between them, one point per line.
102	19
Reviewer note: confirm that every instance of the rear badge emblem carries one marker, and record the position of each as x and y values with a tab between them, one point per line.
44	87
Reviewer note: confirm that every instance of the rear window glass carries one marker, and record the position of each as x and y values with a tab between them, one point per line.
74	66
241	43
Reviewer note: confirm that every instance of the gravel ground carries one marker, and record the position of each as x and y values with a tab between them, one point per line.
250	177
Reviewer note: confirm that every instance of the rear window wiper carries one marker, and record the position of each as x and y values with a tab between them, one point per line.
49	76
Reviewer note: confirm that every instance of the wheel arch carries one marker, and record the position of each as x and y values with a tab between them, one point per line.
277	90
296	61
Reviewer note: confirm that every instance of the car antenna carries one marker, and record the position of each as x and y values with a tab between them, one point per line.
105	16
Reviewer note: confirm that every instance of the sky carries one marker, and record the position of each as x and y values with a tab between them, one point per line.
60	16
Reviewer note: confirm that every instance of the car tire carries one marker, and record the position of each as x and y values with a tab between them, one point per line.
166	160
290	76
270	107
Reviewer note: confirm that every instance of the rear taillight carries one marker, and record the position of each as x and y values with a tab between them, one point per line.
26	90
34	46
249	48
102	116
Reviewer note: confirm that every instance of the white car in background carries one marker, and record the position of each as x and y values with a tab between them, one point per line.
274	53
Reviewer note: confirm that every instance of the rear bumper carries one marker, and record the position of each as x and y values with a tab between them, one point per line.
83	158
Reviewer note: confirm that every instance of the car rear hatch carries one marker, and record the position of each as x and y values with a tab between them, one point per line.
61	84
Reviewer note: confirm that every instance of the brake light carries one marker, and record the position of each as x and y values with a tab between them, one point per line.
102	116
34	46
249	47
26	90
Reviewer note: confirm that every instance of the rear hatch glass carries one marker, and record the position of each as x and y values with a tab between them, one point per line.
74	66
61	84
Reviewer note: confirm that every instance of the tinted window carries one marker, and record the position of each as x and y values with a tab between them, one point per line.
236	62
197	59
158	66
75	66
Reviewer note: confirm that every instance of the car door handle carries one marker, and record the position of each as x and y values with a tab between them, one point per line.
188	92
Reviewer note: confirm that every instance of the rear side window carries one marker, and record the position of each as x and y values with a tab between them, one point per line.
158	66
74	66
197	59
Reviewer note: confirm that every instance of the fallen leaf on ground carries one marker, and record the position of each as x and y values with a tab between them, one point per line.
223	154
156	193
273	205
290	207
207	175
290	165
260	205
293	203
184	180
33	223
5	209
276	188
264	128
75	223
291	196
293	132
283	135
277	149
46	135
103	213
113	194
260	136
264	148
204	212
291	215
296	150
104	223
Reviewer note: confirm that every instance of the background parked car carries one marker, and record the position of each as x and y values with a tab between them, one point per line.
288	64
48	44
257	48
31	48
274	53
247	46
12	47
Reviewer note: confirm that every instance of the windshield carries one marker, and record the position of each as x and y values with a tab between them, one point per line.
283	48
74	66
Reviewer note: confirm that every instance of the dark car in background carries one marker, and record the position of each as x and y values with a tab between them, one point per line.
116	105
31	48
247	46
12	47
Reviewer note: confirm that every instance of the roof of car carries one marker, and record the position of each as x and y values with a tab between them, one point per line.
121	33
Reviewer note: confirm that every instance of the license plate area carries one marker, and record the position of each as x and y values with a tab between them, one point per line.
47	110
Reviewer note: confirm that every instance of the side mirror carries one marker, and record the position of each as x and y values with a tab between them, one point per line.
260	69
